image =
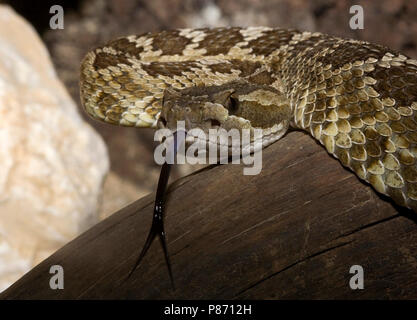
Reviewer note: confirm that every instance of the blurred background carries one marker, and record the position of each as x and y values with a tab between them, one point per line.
87	24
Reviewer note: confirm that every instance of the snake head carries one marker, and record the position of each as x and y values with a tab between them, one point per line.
192	107
234	105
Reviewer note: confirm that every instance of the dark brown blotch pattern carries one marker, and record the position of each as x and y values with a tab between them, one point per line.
220	40
352	51
270	41
169	42
169	69
104	60
399	83
125	46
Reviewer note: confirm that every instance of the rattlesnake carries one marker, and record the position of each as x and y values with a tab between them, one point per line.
357	99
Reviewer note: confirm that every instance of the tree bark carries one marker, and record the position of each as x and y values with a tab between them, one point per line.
291	232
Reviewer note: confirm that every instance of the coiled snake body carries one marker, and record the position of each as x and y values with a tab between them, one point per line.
357	99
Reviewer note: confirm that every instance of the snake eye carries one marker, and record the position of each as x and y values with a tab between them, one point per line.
233	105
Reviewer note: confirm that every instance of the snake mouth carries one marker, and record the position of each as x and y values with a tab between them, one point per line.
213	127
216	136
235	149
210	123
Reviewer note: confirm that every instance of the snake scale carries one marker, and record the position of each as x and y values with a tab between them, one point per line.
358	99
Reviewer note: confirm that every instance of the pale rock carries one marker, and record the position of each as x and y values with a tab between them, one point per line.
118	193
52	163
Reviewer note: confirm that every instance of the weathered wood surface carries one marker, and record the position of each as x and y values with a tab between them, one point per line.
292	231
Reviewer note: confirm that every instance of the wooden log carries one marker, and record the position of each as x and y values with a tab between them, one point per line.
293	231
